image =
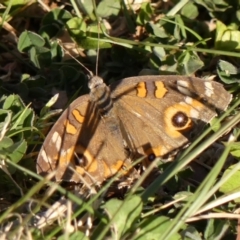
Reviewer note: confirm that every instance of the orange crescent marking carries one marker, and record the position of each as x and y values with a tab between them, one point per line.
78	116
114	168
160	89
141	90
71	129
158	151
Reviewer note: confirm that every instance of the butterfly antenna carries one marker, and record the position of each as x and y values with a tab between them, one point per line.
98	43
98	47
66	51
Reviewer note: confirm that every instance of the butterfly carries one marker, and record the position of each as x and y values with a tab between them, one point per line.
101	133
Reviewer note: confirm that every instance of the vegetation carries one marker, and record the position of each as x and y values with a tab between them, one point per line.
45	49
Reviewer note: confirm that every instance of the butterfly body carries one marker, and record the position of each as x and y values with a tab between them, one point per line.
98	134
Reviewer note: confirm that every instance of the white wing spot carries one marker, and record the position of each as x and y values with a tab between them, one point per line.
188	100
63	153
194	113
45	157
57	140
182	83
208	89
183	86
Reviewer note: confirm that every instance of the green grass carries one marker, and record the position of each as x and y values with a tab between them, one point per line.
39	48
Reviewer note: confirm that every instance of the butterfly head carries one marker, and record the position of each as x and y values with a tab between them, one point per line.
94	82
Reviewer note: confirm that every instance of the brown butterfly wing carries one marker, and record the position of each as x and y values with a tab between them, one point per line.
160	114
82	147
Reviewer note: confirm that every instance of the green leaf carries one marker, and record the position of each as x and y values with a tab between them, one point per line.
52	101
232	184
228	72
18	117
215	228
13	103
228	67
235	149
76	27
152	228
74	236
86	7
57	52
49	31
9	101
6	118
86	37
226	37
57	16
123	214
99	41
40	56
191	233
221	28
238	15
189	63
145	14
45	113
17	150
159	52
107	8
190	10
214	5
23	119
6	142
158	30
28	39
24	77
228	79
